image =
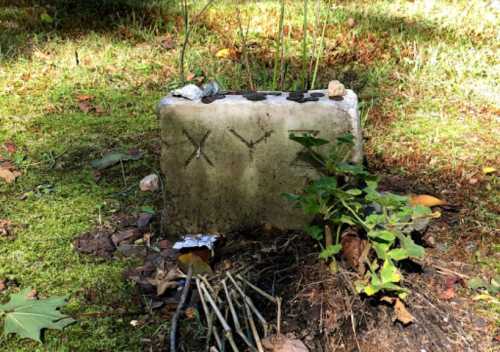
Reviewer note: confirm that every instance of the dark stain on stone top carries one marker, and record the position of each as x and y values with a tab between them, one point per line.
254	96
211	98
337	98
317	95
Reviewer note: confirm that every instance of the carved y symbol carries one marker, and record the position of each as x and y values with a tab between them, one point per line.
251	144
198	148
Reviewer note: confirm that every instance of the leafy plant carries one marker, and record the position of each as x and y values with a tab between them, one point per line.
347	196
27	317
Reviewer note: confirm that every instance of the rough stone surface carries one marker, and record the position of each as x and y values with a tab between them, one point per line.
336	89
227	163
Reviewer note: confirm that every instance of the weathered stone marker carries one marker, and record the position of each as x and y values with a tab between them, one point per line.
227	163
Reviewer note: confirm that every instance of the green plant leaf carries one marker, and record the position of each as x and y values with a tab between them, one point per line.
315	232
383	235
351	169
28	317
413	249
354	192
381	249
345	219
330	251
398	254
347	138
476	283
292	197
389	273
308	140
113	158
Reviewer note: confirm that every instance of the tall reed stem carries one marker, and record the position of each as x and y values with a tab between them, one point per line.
304	48
321	46
279	46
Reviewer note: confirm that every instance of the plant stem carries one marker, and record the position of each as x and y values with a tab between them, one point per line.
304	48
355	214
321	46
279	46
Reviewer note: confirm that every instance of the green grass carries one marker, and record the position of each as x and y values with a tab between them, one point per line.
427	76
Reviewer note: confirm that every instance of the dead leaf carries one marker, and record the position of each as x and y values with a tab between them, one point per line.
33	294
98	242
8	174
402	313
190	313
164	280
10	147
3	285
85	106
449	287
84	97
354	250
200	267
190	76
167	42
126	235
5	227
426	200
99	110
223	53
489	170
281	343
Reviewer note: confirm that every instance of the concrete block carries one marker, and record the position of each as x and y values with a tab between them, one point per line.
227	163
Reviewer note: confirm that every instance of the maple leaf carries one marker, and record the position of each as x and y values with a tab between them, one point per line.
28	317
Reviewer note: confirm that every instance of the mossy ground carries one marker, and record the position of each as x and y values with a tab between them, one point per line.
427	74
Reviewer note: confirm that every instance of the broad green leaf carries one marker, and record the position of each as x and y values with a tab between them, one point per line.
383	235
476	283
113	158
351	169
327	183
292	197
398	254
381	249
315	232
389	273
354	192
308	140
345	219
373	220
413	249
330	251
370	290
28	317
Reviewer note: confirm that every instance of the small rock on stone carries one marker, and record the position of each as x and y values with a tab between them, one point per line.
189	91
210	88
336	89
150	183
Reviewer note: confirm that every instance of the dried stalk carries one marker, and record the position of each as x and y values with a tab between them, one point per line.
208	316
182	301
236	321
255	333
275	300
279	46
304	48
249	301
243	37
187	32
225	325
321	46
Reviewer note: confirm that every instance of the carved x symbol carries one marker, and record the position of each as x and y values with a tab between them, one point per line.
198	148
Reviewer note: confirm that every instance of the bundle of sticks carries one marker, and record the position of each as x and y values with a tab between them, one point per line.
231	316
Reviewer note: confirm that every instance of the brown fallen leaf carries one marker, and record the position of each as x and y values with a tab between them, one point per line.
10	147
85	106
281	343
8	174
200	267
354	250
3	285
449	287
33	294
84	97
190	76
426	200
402	313
164	280
5	227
